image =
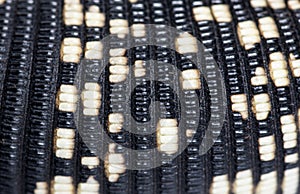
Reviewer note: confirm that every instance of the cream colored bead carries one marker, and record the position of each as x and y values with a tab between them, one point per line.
73	13
190	74
91	162
169	130
113	178
93	54
202	14
117	78
168	148
92	86
94	45
114	164
116	118
267	157
268	183
63	184
259	80
294	4
268	27
191	84
90	94
41	188
65	143
116	158
65	133
239	98
91	104
118	22
289	136
278	69
184	49
118	60
71	50
248	34
167	136
139	68
290	181
138	30
93	18
294	64
73	7
93	50
268	140
289	144
167	123
220	184
91	97
70	98
186	41
261	106
267	149
276	4
63	153
116	169
221	13
243	182
278	56
191	79
119	69
71	58
119	30
90	187
239	104
287	119
116	121
258	3
71	42
168	139
260	71
117	52
115	128
67	107
241	107
291	159
250	40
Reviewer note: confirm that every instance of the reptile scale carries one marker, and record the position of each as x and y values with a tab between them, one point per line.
125	96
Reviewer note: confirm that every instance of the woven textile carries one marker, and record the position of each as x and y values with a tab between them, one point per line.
149	96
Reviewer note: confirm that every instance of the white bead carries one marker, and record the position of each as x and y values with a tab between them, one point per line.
167	123
191	84
63	153
92	86
65	133
117	52
118	60
115	128
117	78
65	143
190	74
119	69
91	95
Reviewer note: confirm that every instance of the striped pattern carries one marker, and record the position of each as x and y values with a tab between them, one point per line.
50	136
